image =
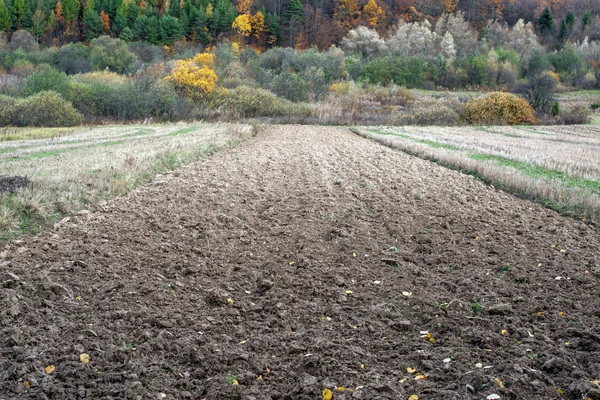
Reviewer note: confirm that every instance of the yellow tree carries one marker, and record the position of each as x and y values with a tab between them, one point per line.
346	14
373	14
242	25
195	77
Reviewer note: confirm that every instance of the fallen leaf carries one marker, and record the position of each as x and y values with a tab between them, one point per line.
267	368
413	397
560	391
327	395
424	332
49	369
260	378
553	245
477	238
596	382
428	335
505	332
234	382
362	366
411	370
539	313
402	380
163	395
244	341
78	298
291	263
499	382
421	377
493	396
340	389
432	340
562	314
348	291
563	251
407	294
530	334
26	384
586	272
230	301
84	358
540	264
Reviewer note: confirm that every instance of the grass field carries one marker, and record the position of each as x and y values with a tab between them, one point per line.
556	165
73	169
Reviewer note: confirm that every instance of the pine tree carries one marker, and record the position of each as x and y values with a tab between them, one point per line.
585	21
133	12
70	11
294	10
120	22
545	22
170	30
570	20
92	23
4	17
19	12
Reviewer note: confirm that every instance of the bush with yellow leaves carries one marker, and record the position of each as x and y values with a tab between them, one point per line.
195	76
499	108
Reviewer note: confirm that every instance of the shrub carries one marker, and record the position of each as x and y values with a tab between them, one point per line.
8	114
195	77
22	39
73	58
113	54
248	102
499	107
555	109
401	71
578	115
47	109
47	79
595	106
290	86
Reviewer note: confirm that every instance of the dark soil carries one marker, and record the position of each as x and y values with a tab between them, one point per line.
10	184
281	265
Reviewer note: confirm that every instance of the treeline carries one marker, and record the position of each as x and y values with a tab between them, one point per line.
269	23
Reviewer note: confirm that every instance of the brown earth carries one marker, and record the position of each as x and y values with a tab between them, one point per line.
285	225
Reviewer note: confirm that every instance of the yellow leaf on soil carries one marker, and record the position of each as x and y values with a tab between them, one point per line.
26	384
78	298
562	314
348	291
499	382
432	340
234	382
505	332
230	301
413	397
267	368
421	377
410	370
340	389
362	366
560	391
327	395
84	358
259	378
49	369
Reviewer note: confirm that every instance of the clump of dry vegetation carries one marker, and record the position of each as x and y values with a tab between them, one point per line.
558	166
76	169
499	108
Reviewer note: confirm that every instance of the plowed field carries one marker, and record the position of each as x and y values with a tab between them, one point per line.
306	258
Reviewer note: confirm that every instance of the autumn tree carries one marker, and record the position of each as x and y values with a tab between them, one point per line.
374	15
70	11
105	21
346	14
195	77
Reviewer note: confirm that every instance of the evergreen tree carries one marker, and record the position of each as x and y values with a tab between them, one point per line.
175	9
92	23
127	35
294	10
273	28
133	12
70	11
170	30
570	20
119	23
152	30
585	21
19	11
545	22
4	17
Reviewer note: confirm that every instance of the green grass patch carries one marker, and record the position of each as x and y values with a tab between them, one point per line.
430	143
10	133
182	131
536	172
